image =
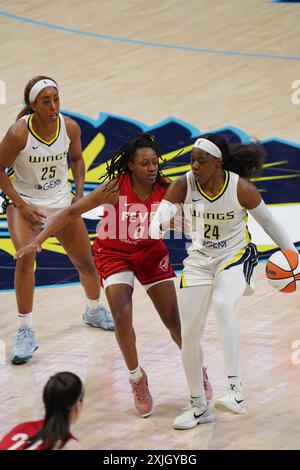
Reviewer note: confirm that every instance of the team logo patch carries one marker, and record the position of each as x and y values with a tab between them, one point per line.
279	186
164	264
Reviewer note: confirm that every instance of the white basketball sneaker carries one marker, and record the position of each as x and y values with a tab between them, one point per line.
233	400
99	317
25	345
193	416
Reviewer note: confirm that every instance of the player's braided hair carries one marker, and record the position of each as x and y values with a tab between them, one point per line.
120	159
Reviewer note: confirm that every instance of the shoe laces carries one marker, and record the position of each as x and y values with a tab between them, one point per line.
22	333
139	389
93	311
105	314
192	405
187	407
107	318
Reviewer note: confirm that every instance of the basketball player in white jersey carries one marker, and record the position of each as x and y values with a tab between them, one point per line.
221	258
37	148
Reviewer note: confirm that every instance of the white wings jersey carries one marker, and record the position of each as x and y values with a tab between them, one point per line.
216	225
41	168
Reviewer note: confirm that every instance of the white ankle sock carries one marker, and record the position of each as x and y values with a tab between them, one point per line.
26	319
136	374
199	401
93	304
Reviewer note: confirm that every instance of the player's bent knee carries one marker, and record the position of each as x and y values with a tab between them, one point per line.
25	264
220	304
122	318
86	269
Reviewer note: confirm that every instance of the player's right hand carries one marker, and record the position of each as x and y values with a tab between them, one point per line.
31	215
32	247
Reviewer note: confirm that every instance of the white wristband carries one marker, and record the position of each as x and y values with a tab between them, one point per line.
165	211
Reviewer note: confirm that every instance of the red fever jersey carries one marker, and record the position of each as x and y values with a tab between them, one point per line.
123	241
125	226
17	437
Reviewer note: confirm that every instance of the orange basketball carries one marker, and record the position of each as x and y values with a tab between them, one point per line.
283	270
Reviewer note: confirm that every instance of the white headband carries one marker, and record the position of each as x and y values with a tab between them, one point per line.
39	86
209	147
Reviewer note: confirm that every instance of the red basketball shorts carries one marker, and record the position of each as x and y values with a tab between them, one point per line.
149	265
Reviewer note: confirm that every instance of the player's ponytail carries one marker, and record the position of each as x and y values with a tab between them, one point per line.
61	393
244	159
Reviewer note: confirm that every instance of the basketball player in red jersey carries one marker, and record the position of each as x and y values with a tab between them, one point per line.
63	395
123	250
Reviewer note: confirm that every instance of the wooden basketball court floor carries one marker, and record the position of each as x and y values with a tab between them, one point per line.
210	64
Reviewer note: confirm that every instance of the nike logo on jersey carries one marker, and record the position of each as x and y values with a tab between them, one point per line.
195	200
33	148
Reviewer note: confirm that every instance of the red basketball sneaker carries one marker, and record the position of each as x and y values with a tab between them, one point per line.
142	397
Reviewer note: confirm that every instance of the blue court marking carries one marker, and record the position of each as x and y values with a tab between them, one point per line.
95	125
178	273
149	43
245	139
284	1
195	132
47	287
102	117
90	185
281	141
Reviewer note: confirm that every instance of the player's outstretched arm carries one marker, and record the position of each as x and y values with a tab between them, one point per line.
101	195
